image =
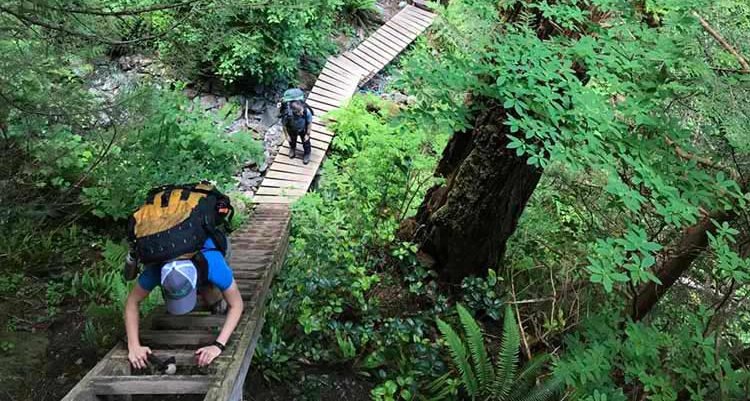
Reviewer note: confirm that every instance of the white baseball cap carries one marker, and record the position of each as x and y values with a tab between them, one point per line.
179	280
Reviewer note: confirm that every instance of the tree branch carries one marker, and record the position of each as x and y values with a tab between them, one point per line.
693	242
119	13
26	19
704	161
723	42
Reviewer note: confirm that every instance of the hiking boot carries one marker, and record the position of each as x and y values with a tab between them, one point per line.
291	153
306	158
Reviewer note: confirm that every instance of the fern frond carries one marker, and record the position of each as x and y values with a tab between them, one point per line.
547	391
475	339
507	361
440	388
526	379
458	354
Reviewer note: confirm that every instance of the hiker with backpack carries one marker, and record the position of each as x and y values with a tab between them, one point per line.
296	118
179	237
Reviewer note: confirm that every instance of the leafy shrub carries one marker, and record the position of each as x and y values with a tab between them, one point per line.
169	144
245	39
696	367
325	305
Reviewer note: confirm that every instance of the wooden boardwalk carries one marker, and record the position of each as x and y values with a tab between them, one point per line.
288	179
258	248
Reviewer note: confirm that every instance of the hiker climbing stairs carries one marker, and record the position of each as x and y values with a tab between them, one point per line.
258	248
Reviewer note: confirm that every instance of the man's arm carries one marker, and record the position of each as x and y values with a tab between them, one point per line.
137	355
235	307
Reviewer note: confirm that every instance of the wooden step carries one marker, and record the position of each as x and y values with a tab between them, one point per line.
189	321
177	337
163	384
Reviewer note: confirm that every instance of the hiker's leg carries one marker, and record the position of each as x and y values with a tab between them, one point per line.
292	143
308	149
307	146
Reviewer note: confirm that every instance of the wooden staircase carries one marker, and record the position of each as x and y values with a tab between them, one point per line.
258	248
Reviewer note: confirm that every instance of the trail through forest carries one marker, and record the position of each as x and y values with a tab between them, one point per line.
536	200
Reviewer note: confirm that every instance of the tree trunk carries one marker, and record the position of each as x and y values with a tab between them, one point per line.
463	225
693	242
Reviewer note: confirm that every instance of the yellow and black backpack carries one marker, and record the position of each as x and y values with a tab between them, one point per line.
176	220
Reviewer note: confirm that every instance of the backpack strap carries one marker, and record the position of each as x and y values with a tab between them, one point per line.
307	124
218	238
201	265
165	197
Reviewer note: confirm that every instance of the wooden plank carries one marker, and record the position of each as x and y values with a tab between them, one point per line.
273	182
374	51
189	321
177	337
324	99
368	66
273	199
387	38
280	191
317	143
410	31
414	11
232	385
384	51
320	141
352	69
415	18
364	54
321	137
347	67
340	72
373	65
334	85
316	155
252	266
386	44
322	127
279	175
309	169
335	76
165	384
426	15
285	168
248	274
401	26
396	36
399	34
183	357
332	91
391	53
321	106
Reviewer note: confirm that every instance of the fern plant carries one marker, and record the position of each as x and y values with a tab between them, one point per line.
362	13
477	375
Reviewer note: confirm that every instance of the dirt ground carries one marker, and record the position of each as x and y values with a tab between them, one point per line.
314	384
46	358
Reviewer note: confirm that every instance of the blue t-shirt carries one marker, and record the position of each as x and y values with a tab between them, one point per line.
219	273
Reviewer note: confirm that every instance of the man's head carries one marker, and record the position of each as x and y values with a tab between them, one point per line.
297	108
178	284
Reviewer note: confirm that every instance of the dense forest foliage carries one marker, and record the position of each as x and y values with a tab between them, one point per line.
559	210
